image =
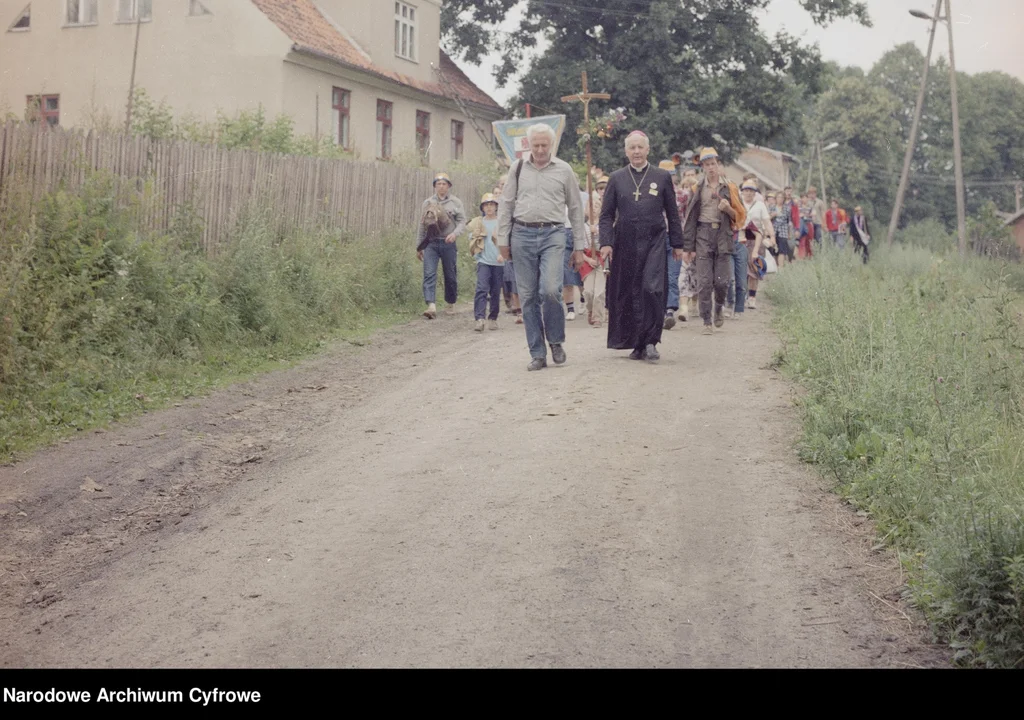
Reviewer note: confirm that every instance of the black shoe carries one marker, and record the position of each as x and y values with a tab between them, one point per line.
670	321
557	354
719	316
651	354
637	354
537	364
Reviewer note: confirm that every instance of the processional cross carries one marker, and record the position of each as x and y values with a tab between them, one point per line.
585	97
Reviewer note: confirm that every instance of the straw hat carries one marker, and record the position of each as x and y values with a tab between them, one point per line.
442	176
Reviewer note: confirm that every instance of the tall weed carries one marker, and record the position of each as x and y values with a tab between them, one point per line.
915	370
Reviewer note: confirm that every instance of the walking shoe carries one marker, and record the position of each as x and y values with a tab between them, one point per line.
684	312
479	326
557	354
719	319
431	312
537	364
492	325
670	321
737	316
519	318
752	303
728	313
708	330
449	310
570	315
637	354
651	354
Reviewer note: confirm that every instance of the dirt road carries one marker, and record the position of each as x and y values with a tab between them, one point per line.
423	501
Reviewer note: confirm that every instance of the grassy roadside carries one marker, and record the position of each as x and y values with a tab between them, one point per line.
914	370
99	324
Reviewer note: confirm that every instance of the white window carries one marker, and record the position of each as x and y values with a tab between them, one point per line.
196	8
134	10
80	12
405	31
23	21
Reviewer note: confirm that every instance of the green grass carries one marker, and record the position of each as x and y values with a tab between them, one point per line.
100	323
914	370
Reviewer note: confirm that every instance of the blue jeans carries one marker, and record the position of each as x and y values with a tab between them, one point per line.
447	254
817	235
570	277
488	283
738	285
838	239
540	257
674	268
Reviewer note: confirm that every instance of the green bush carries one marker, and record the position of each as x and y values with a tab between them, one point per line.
99	320
930	235
915	407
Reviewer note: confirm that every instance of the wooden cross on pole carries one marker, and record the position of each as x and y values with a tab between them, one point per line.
585	97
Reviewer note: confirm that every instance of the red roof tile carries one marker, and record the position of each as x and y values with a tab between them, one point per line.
307	27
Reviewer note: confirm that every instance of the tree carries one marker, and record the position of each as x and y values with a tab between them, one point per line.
690	74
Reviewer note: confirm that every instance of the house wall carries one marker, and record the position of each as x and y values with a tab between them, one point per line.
371	24
230	60
305	78
1018	233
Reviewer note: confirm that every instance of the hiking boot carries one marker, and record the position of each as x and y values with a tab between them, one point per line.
479	326
449	310
719	318
670	320
431	312
651	354
708	330
492	325
557	354
752	303
537	364
684	312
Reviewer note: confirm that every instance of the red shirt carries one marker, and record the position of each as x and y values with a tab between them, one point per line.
835	218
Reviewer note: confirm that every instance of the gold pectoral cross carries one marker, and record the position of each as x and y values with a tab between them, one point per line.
636	195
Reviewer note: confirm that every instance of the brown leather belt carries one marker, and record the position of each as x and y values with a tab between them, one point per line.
538	224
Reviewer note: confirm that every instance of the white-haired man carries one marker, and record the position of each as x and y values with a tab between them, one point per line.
531	228
639	205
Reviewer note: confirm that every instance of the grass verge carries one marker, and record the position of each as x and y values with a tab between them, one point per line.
914	370
99	323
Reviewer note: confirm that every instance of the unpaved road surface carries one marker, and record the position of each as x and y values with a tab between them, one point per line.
425	502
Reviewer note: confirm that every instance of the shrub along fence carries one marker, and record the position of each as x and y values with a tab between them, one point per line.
357	198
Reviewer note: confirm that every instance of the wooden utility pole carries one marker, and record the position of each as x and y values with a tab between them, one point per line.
905	176
961	211
1018	194
131	83
585	97
821	172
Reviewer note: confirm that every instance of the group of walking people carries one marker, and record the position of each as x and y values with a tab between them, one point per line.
660	245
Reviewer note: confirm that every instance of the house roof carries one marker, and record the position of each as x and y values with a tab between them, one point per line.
1015	217
312	32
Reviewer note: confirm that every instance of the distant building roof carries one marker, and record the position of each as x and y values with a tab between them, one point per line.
1014	218
313	33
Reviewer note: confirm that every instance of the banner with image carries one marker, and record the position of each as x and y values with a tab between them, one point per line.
511	134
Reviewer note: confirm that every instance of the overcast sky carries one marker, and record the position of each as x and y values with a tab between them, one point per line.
988	36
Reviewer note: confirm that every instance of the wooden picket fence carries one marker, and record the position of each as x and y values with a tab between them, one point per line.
357	198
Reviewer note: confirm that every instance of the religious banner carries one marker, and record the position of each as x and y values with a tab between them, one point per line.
511	134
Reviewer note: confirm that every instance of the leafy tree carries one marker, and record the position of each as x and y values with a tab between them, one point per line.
690	74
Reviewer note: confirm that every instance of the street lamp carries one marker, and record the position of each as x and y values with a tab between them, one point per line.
957	152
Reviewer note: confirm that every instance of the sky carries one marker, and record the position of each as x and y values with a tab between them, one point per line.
987	34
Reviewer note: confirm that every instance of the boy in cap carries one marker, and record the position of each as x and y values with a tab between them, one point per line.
490	273
436	243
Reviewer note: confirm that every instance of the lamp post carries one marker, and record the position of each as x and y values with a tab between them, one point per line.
961	211
909	156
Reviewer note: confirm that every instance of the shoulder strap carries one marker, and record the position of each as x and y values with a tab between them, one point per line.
519	171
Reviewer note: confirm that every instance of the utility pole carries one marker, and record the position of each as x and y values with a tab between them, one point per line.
821	171
961	212
131	84
894	221
1018	193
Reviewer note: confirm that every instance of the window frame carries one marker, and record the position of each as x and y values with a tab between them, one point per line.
406	33
458	139
42	115
341	106
423	135
385	129
134	4
82	5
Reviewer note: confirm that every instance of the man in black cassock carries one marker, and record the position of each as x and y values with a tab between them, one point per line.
638	203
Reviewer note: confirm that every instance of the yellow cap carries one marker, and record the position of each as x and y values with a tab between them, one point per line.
488	198
603	180
708	153
442	176
667	165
